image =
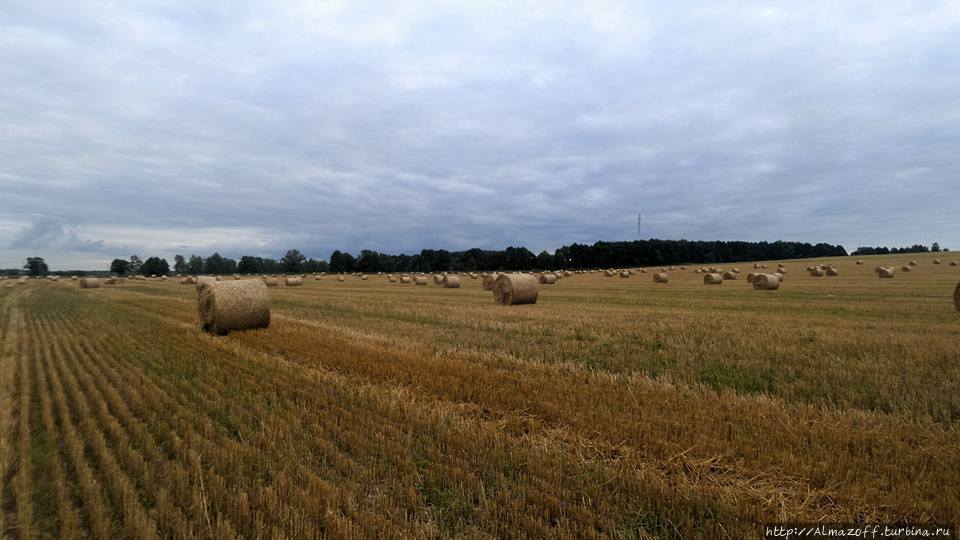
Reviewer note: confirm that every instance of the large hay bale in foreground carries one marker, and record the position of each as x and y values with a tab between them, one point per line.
89	283
452	282
293	281
225	306
548	279
766	282
885	272
956	297
205	279
661	277
515	289
712	279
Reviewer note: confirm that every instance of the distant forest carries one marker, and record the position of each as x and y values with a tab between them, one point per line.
575	256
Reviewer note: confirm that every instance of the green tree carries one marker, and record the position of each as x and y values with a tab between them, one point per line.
250	265
155	266
179	263
119	267
135	263
935	247
292	261
36	266
195	266
214	264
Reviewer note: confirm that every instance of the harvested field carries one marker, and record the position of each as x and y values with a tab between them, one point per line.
611	407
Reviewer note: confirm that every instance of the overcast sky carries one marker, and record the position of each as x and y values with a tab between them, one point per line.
252	127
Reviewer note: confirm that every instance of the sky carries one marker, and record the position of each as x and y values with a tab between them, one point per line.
253	127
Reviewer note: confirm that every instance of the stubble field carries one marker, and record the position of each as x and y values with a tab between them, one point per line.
612	407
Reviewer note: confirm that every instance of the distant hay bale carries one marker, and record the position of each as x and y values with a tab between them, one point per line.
766	282
859	262
832	271
729	275
752	276
697	271
406	279
763	266
643	270
782	270
661	277
110	281
712	279
225	306
885	272
317	277
608	273
364	277
912	263
756	265
89	283
452	282
779	275
816	271
437	279
683	267
341	278
736	270
548	279
391	279
936	261
567	274
515	289
953	263
188	281
907	268
271	282
420	280
293	281
163	278
488	282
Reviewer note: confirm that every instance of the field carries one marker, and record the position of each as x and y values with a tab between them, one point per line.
612	407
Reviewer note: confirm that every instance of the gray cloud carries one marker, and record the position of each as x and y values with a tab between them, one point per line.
252	127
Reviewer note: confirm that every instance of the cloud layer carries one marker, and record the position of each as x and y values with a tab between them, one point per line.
251	127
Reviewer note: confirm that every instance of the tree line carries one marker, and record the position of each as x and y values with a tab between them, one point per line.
575	256
916	248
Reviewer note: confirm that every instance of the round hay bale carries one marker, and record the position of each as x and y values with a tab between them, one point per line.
752	276
420	280
782	270
225	306
391	279
515	289
661	277
110	281
779	275
205	279
643	270
859	263
956	297
548	279
953	263
341	278
625	274
912	263
756	265
406	279
885	272
316	277
437	279
816	271
488	282
271	282
907	268
936	261
452	282
293	281
608	273
697	271
89	283
766	282
567	274
188	281
729	275
712	279
831	271
763	266
364	277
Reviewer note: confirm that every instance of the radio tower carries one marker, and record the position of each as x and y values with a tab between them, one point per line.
639	223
